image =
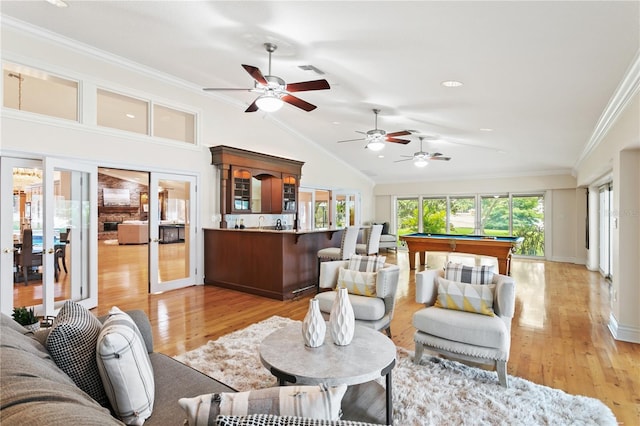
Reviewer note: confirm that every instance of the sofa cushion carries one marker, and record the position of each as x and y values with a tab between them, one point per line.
469	274
477	299
357	282
364	308
72	345
366	263
28	400
318	402
125	368
271	420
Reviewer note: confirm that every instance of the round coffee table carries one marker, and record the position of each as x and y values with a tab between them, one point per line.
369	356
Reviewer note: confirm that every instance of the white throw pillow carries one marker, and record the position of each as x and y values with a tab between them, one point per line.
316	402
125	368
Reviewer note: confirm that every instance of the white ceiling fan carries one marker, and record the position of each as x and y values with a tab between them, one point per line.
422	158
377	137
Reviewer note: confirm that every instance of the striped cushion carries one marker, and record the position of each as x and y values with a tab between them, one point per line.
125	368
72	345
469	274
317	402
366	263
458	296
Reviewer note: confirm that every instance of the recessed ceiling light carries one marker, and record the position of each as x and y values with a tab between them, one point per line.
58	3
130	116
380	156
336	123
486	129
451	83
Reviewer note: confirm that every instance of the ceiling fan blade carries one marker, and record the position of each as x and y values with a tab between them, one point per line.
400	133
406	159
308	85
351	140
402	141
256	74
252	108
440	158
290	99
226	88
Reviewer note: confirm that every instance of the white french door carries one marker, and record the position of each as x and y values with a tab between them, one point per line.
172	231
57	201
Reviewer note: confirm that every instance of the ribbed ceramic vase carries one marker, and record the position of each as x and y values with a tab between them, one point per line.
313	325
342	322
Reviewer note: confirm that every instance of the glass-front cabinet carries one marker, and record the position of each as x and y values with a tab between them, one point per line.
241	184
252	182
289	192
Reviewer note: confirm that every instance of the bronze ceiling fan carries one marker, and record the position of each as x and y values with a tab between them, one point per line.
375	138
274	90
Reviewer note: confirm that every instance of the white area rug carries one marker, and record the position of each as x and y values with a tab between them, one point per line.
437	392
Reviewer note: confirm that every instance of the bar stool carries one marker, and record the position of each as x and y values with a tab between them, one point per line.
372	247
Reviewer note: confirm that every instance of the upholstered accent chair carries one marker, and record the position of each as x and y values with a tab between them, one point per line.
463	335
372	246
374	310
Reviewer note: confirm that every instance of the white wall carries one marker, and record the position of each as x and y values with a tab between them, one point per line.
221	121
618	154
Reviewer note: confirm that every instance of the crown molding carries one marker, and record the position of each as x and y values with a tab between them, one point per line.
624	93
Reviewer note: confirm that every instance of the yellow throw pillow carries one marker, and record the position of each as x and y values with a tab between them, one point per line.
357	282
465	297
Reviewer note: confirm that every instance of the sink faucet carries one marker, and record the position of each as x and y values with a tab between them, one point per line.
260	220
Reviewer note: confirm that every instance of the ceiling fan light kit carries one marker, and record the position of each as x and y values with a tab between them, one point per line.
269	102
375	144
420	162
274	92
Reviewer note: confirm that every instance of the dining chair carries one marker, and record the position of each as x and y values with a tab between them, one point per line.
345	251
26	259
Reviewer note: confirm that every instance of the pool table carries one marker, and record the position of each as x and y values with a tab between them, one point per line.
499	247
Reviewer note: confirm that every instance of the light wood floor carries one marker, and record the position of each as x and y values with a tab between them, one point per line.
559	337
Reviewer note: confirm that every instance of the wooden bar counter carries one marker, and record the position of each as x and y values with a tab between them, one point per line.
275	264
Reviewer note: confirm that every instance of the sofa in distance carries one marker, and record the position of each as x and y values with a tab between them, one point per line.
133	233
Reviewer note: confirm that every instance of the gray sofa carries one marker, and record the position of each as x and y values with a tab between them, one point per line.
34	391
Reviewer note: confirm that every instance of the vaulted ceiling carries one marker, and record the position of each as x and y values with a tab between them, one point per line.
536	75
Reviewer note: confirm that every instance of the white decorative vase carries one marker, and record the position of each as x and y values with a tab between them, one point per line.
313	325
342	322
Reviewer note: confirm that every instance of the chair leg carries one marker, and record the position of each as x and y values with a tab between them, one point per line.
388	331
418	354
501	369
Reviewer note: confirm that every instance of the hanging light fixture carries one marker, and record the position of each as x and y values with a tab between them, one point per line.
269	102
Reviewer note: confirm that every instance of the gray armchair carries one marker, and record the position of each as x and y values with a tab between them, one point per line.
464	335
374	312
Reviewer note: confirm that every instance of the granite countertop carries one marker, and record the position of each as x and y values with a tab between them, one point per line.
271	230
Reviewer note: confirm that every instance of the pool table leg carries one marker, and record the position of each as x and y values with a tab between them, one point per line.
412	259
423	257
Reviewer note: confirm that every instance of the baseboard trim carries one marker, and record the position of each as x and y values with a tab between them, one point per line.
623	333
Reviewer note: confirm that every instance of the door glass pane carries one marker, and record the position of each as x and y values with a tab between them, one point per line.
528	222
71	221
321	209
341	211
27	216
462	215
305	210
173	229
495	215
434	215
406	215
